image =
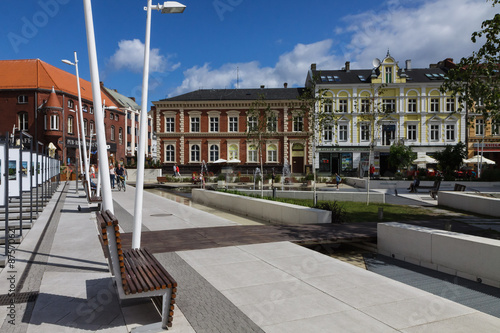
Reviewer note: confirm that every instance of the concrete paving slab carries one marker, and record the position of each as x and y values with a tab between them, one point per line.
474	322
347	321
418	311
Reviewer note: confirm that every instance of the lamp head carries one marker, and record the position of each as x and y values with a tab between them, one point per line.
172	7
67	62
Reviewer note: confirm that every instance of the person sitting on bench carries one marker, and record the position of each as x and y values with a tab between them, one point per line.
414	185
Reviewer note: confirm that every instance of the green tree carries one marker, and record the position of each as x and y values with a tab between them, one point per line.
451	158
401	156
262	124
476	79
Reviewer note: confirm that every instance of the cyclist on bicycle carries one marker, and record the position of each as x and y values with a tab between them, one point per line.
121	174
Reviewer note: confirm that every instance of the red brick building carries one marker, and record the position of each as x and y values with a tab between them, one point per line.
42	100
209	125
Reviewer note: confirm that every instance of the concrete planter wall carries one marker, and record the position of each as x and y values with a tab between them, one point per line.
470	202
266	210
469	257
375	197
149	175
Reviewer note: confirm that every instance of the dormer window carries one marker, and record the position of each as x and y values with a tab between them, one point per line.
388	74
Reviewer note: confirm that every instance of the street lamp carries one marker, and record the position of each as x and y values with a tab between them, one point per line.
168	7
79	150
80	113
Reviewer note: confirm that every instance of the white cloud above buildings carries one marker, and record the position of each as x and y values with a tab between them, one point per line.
130	56
426	32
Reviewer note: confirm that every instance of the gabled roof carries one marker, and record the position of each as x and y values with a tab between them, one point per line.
121	100
37	74
239	94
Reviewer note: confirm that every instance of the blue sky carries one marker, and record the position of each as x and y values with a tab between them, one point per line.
215	41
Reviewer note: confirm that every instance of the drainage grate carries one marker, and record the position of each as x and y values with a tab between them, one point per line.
161	215
19	298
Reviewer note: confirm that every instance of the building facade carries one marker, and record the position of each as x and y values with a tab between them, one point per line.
371	109
42	100
206	127
130	125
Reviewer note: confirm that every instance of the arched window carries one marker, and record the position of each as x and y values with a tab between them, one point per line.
272	154
233	152
214	153
120	135
195	153
170	153
252	154
22	121
71	125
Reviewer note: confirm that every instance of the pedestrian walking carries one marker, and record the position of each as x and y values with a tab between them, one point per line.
177	171
92	171
372	171
337	180
112	175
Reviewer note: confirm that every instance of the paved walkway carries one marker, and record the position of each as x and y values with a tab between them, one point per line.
62	282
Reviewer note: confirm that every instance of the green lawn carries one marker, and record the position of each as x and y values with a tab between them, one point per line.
361	212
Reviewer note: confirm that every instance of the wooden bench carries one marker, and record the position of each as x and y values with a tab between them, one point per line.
91	198
137	272
245	179
161	180
459	187
433	189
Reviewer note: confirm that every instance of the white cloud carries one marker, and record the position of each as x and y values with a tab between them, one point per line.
425	31
291	68
130	56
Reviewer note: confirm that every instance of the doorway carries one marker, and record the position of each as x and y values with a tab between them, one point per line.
298	158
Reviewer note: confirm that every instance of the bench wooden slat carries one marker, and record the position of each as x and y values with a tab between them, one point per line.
153	275
136	272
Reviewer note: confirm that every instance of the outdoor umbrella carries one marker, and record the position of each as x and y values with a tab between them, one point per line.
425	160
478	159
234	160
220	160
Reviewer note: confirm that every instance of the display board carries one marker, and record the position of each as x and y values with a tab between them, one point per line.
14	167
2	177
26	170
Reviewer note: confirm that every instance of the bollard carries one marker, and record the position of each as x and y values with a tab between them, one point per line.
381	213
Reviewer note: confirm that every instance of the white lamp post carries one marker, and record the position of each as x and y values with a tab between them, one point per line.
79	150
80	113
168	7
107	199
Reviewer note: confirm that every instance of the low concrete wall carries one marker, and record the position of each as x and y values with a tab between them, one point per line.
149	175
375	197
392	184
469	257
265	210
470	203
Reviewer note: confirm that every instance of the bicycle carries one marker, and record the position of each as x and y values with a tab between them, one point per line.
121	183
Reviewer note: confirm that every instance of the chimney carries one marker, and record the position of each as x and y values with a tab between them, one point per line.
285	85
408	65
262	86
132	98
347	66
313	67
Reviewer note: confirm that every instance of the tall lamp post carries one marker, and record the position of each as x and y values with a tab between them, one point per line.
107	199
80	113
79	151
168	7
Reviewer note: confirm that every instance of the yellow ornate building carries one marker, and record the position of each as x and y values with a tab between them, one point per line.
374	108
